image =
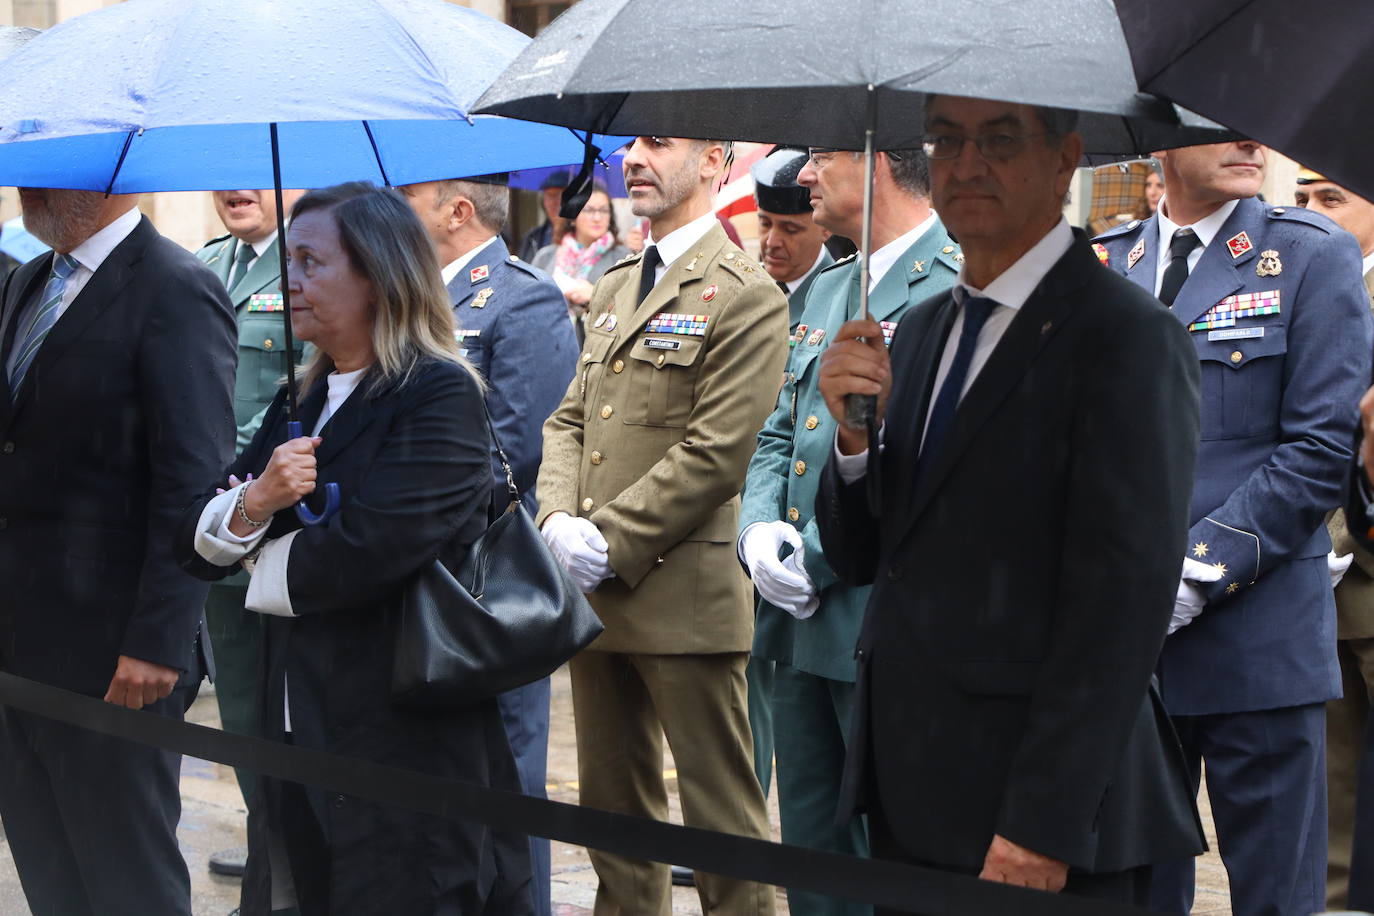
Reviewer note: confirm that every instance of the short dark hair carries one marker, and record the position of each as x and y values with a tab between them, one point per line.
910	170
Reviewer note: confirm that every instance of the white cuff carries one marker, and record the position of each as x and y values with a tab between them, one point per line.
215	543
854	467
267	591
739	542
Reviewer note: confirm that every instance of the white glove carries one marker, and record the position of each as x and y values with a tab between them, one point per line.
1337	566
579	546
1189	601
787	587
796	563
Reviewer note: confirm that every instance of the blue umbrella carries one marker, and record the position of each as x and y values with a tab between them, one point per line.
612	175
223	94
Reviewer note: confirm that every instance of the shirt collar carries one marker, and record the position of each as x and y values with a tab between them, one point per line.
794	285
261	246
91	253
454	267
1015	284
881	261
1369	262
676	243
1206	228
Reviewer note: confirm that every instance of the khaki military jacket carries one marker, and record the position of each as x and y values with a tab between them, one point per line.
653	438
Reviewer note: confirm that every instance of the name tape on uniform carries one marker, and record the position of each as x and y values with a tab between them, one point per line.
661	343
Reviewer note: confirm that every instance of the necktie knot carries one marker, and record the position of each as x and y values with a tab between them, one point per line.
64	265
244	254
977	311
1183	243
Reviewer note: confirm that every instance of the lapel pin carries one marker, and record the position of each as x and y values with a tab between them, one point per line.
601	319
1239	244
610	322
918	267
1135	254
1045	328
709	293
1269	264
478	274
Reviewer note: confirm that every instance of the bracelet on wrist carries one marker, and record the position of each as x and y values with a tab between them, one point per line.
243	512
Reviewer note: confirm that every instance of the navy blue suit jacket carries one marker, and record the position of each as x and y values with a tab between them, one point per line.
1279	395
519	338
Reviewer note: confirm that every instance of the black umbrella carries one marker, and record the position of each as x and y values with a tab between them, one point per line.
807	72
1246	64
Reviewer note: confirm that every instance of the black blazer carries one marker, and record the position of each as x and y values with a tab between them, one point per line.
412	463
125	413
1022	588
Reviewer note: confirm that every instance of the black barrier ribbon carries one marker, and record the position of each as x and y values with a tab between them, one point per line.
887	884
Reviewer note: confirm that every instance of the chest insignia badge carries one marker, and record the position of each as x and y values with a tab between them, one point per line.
709	293
481	301
816	337
478	274
1239	244
1135	254
1269	264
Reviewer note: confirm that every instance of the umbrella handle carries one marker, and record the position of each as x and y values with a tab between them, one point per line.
331	491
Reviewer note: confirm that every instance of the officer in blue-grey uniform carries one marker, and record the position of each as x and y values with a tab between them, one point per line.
513	325
1274	301
245	260
808	622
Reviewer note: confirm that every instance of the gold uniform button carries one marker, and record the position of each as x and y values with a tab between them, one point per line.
1237	356
660	360
800	468
618	367
586	357
606	412
812	422
587	504
267	344
793	514
596	457
947	249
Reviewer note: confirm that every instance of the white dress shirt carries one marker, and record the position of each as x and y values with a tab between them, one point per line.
794	285
1205	228
89	255
678	242
1368	263
454	267
1010	291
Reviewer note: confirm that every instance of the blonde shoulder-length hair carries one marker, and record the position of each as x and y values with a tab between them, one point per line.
412	317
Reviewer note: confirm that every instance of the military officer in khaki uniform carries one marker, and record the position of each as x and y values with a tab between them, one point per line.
1346	717
245	260
638	490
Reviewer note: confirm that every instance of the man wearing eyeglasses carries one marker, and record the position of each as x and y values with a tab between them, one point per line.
1037	425
808	620
1274	301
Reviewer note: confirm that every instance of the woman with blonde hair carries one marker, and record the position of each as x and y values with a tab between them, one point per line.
397	421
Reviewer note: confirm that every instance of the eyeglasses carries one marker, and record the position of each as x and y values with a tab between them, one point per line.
821	156
597	211
999	147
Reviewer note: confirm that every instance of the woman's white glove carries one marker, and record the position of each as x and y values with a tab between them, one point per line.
1337	566
578	545
784	584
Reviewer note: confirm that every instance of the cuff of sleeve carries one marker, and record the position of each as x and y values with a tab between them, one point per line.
215	543
739	542
267	590
853	467
1234	552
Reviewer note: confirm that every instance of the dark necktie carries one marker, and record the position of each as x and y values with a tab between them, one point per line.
1184	241
242	257
783	286
977	309
648	268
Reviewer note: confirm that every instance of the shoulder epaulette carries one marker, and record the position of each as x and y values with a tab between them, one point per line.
1300	215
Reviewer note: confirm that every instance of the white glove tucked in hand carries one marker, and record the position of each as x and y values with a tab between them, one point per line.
1337	566
784	584
1189	601
578	545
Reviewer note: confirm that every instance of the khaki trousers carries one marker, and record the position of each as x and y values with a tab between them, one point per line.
625	705
1345	725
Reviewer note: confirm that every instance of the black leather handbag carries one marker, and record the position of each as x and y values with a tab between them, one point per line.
504	615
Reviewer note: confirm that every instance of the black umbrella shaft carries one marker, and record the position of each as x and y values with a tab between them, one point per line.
285	286
860	410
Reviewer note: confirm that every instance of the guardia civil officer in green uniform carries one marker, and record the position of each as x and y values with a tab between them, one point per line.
245	259
792	248
808	621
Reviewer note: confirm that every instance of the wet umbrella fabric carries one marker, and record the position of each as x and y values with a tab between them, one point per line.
177	95
711	69
1245	64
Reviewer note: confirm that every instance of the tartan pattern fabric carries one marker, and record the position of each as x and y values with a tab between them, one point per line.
1118	190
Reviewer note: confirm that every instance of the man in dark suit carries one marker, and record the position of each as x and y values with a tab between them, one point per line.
1040	430
116	409
1275	305
512	323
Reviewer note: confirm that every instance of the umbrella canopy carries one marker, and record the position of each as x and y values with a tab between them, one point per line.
1240	63
793	72
13	37
177	95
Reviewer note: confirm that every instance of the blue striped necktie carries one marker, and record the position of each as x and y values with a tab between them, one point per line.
977	310
62	267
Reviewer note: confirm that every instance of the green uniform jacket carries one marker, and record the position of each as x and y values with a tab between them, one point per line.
652	440
797	439
261	367
796	300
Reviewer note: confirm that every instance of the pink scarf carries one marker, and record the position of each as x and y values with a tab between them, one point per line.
577	261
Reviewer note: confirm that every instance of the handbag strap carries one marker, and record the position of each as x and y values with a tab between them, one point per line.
501	454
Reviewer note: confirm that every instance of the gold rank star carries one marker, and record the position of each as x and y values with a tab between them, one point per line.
1233	588
1220	567
1200	549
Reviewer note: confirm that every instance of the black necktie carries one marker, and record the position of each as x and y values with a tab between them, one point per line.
1184	241
977	310
783	286
648	269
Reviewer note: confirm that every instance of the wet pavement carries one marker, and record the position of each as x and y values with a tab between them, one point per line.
212	819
